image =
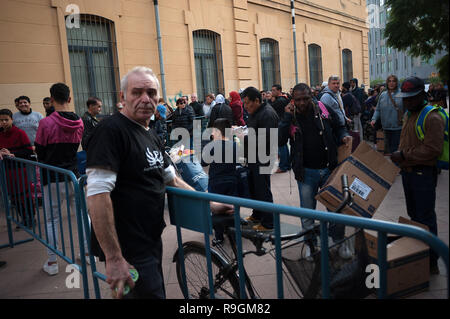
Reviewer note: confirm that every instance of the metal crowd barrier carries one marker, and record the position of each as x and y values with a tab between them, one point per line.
191	210
19	180
30	205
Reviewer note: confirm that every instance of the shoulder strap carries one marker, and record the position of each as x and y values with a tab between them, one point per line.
392	100
420	122
324	110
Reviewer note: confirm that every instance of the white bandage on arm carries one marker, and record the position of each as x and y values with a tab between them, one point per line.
100	181
169	174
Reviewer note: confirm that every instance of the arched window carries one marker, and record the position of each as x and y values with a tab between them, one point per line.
93	62
270	63
347	65
208	63
315	64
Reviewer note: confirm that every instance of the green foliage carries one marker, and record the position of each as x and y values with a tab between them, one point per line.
421	27
375	82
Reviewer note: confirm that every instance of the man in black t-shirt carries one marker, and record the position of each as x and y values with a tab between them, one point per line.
127	173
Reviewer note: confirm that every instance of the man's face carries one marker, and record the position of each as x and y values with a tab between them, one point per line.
46	104
413	103
352	84
141	98
343	89
208	100
96	108
302	101
24	106
334	85
5	122
194	98
275	92
251	106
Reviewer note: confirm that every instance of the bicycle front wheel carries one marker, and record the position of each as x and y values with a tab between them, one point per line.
226	284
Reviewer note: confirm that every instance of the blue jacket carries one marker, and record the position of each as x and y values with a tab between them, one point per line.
386	111
330	99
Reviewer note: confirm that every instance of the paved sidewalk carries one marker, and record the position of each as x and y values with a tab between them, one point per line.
23	277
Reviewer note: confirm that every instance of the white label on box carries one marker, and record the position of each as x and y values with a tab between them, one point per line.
360	189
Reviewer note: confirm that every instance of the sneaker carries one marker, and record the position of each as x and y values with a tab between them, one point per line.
252	219
344	251
261	228
52	269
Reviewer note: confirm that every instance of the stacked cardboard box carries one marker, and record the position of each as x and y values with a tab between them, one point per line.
407	262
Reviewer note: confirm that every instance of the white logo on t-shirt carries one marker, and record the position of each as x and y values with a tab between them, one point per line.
155	159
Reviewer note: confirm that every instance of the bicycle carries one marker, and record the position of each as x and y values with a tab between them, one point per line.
303	269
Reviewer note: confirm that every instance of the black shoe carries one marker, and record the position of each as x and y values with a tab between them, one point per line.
217	242
2	263
434	270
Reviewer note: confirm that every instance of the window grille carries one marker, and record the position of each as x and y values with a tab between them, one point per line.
270	63
315	64
347	65
93	63
208	63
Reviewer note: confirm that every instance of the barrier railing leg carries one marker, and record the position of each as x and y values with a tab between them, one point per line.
382	264
237	223
324	260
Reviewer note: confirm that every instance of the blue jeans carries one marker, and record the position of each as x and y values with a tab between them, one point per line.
283	152
313	180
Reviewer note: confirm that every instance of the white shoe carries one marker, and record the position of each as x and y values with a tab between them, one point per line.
344	251
52	269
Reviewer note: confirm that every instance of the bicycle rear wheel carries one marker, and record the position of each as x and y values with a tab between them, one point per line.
226	284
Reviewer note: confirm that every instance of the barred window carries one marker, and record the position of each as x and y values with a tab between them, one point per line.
270	63
347	65
208	63
93	62
315	64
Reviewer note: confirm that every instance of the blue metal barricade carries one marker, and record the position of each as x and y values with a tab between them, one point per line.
183	204
22	182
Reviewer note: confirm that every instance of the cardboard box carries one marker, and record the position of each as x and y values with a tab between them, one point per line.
344	151
408	261
370	176
380	141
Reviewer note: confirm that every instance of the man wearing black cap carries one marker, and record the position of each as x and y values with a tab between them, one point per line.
417	158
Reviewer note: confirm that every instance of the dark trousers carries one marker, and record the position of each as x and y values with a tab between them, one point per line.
283	152
150	284
224	185
259	187
419	186
391	140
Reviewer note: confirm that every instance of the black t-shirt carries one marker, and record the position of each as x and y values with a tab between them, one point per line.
314	153
227	165
137	156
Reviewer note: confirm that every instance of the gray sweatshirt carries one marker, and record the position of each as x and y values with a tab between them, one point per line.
29	123
386	112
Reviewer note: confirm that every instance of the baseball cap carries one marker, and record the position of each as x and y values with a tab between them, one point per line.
411	87
162	110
